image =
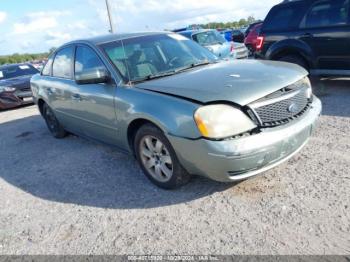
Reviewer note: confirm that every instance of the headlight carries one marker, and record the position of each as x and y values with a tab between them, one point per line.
221	121
309	92
305	82
7	89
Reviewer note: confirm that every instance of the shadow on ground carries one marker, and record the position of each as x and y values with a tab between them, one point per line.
76	171
15	108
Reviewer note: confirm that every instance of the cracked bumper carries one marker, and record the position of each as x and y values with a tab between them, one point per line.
239	159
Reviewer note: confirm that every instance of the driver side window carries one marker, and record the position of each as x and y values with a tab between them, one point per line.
86	59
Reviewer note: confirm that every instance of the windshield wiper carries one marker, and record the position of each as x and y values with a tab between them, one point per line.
193	65
172	72
151	77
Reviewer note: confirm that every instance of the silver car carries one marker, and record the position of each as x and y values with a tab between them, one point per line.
217	44
177	108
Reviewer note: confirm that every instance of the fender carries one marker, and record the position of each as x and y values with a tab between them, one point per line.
292	46
173	115
38	93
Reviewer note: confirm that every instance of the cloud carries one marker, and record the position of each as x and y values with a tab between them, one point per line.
3	16
38	21
134	15
57	38
81	25
39	31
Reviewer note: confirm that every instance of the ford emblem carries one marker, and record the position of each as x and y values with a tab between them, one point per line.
293	108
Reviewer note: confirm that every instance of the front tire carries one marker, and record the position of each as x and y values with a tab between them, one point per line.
158	159
52	123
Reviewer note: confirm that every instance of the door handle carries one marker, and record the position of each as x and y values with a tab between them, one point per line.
76	97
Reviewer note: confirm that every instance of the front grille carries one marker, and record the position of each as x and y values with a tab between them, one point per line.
281	107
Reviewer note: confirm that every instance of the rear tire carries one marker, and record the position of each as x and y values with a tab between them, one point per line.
294	59
52	123
158	159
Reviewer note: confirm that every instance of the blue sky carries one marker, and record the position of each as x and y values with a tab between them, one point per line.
37	25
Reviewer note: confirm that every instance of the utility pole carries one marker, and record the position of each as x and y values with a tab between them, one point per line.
110	17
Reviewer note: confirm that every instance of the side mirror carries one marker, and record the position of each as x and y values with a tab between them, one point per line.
92	76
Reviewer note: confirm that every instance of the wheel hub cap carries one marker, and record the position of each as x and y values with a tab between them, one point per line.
156	158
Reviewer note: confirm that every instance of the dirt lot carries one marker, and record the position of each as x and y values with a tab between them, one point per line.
73	196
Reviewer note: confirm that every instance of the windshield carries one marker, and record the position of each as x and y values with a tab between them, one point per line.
209	38
147	57
17	71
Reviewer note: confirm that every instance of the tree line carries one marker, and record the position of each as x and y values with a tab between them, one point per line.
234	24
21	58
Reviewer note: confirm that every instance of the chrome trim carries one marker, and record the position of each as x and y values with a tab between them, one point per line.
276	100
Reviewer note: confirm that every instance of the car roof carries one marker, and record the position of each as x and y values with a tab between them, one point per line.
12	65
286	2
115	37
195	31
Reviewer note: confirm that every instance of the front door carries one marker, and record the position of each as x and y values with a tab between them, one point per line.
326	29
93	104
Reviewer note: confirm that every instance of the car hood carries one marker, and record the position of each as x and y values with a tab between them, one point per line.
18	82
237	81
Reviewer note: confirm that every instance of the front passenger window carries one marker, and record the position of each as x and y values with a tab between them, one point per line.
62	65
86	59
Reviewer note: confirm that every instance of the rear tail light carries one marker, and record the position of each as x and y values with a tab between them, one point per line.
232	48
259	43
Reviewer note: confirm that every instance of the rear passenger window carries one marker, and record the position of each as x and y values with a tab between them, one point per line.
327	13
62	65
86	59
47	68
284	17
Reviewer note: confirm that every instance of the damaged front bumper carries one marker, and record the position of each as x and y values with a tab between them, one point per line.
14	99
241	158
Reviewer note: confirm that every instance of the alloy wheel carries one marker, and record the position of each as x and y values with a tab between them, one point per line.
156	158
51	119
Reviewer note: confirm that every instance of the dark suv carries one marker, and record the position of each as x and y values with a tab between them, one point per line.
314	34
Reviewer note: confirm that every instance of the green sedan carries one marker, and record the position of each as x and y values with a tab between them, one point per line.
177	108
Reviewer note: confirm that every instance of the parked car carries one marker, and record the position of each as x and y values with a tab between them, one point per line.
217	44
38	64
179	110
252	38
15	85
233	35
250	27
314	34
237	36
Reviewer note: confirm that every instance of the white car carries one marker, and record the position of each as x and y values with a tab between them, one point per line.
217	44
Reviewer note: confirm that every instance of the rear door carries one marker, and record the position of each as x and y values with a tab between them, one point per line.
93	104
58	88
325	28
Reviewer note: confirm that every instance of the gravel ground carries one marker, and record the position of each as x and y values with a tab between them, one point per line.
73	196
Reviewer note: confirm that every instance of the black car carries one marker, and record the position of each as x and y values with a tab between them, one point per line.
237	36
15	85
250	27
314	34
